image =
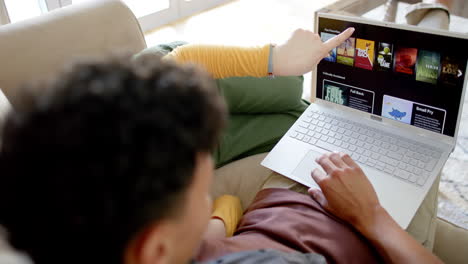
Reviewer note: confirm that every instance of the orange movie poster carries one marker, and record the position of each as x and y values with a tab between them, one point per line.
365	54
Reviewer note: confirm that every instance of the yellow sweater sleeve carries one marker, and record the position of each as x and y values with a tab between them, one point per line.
228	209
225	61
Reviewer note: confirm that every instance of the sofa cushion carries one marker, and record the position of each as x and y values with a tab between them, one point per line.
449	242
242	178
40	47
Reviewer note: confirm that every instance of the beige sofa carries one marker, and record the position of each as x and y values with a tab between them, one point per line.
40	47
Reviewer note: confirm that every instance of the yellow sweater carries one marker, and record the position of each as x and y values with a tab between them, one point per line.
224	61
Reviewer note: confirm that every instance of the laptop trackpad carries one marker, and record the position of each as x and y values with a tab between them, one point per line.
305	168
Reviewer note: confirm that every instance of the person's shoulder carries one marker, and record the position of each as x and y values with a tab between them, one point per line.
269	256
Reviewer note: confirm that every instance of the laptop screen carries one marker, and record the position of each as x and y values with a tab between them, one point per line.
411	77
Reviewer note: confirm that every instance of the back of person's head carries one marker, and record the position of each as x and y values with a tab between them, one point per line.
102	151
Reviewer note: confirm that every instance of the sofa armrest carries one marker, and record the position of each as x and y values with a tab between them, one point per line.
39	47
451	243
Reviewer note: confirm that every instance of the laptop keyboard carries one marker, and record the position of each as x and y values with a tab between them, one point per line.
402	158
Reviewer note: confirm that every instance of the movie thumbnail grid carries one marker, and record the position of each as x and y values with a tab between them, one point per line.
426	66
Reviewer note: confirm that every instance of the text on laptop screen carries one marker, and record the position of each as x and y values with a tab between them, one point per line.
412	77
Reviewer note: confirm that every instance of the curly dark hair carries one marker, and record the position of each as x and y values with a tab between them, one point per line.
101	152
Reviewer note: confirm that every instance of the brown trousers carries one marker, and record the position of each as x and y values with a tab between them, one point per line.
289	221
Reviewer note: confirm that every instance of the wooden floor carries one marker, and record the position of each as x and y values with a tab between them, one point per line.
242	22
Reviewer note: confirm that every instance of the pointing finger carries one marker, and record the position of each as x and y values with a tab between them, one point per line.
337	40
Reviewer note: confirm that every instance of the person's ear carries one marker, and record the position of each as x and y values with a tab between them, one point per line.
152	246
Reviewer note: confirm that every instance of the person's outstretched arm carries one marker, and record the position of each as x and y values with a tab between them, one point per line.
299	55
348	194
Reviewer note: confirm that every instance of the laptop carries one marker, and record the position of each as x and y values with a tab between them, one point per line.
391	96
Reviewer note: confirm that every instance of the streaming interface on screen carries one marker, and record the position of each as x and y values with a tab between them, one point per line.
411	77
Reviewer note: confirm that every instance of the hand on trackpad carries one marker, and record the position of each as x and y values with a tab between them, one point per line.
306	166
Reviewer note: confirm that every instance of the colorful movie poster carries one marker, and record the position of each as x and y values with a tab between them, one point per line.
405	60
365	54
427	67
345	52
384	57
397	109
452	70
336	94
332	54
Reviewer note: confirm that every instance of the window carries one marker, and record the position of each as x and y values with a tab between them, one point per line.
13	10
141	7
150	14
20	10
